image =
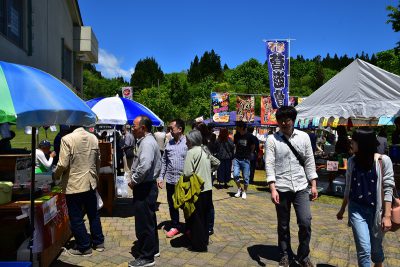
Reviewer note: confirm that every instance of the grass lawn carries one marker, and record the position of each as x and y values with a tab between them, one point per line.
23	140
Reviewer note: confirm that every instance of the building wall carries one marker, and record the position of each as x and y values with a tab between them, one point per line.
52	25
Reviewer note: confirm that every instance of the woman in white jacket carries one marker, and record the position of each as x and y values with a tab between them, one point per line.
368	176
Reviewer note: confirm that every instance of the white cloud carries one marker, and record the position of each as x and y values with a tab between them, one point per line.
110	66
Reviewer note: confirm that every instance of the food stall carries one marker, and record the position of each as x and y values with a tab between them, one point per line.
31	97
360	95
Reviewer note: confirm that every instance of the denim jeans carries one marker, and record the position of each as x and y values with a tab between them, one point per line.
76	203
368	247
244	166
301	203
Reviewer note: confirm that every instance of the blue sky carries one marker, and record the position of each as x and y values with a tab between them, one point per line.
174	31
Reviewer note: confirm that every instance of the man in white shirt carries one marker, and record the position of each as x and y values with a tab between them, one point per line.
288	177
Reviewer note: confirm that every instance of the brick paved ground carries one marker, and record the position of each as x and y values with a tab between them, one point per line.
245	235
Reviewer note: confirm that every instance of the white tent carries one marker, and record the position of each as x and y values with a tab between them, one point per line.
361	90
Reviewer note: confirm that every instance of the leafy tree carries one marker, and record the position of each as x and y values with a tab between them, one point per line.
178	89
209	65
226	67
251	76
394	19
194	75
389	61
147	74
159	101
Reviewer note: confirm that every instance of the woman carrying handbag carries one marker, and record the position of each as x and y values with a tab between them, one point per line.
369	193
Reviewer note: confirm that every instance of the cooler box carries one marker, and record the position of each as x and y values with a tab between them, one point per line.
5	192
339	185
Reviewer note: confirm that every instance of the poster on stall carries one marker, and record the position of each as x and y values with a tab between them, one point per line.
49	209
220	106
23	171
267	111
127	92
332	166
278	69
245	108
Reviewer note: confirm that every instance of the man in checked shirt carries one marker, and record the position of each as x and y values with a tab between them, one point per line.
172	163
288	177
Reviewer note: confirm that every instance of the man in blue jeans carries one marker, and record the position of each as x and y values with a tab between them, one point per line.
244	145
288	176
78	166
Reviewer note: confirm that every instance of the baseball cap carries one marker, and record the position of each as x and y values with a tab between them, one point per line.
45	143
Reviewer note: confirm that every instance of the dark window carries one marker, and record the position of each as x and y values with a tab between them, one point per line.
66	63
11	20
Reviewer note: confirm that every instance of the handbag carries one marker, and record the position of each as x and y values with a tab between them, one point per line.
395	213
299	158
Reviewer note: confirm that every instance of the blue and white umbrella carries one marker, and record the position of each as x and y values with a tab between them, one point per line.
119	111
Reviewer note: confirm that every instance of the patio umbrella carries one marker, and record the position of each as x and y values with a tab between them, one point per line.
118	111
31	97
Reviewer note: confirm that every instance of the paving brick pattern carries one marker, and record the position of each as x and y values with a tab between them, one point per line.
245	235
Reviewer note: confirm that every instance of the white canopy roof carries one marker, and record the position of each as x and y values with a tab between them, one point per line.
359	90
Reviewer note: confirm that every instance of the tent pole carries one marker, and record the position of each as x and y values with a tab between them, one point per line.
32	219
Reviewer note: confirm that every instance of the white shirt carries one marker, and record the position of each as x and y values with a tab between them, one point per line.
283	167
41	158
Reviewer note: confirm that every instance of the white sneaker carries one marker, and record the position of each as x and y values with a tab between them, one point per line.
244	195
238	193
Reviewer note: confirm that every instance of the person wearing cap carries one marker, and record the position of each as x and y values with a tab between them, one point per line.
42	163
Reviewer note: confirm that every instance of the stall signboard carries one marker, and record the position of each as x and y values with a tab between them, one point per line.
22	171
278	69
220	107
49	209
245	108
267	111
332	165
127	92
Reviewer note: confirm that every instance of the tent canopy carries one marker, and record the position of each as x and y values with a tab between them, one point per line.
359	90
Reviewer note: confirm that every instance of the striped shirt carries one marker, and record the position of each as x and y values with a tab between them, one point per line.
173	160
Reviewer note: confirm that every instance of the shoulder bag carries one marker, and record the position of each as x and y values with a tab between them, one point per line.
395	214
295	152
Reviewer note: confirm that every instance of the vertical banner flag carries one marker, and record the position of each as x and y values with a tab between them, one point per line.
267	111
278	68
127	92
245	108
220	106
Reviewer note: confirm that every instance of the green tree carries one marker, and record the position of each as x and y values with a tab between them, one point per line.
147	74
394	19
389	61
250	76
178	89
209	65
159	101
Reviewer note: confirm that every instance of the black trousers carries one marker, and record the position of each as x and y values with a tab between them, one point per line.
198	222
145	205
174	213
301	204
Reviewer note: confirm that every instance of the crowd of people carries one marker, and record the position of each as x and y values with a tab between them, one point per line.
185	164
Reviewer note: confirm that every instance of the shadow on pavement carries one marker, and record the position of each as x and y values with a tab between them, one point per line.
268	252
58	263
180	242
123	208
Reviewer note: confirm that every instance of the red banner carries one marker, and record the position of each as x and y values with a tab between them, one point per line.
267	111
